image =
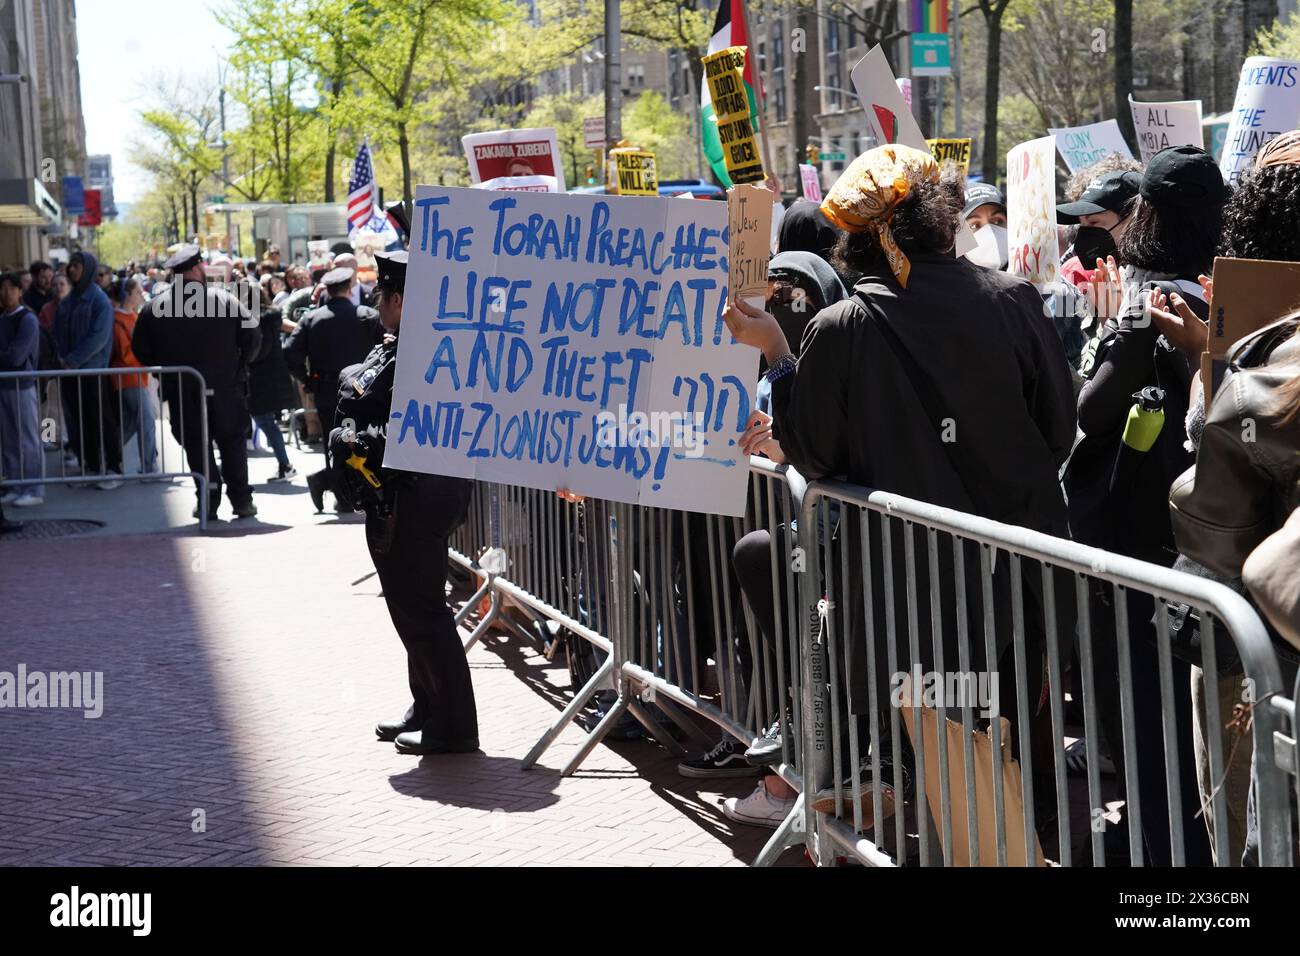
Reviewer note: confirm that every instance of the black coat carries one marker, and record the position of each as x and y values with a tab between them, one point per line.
327	340
218	337
270	387
955	391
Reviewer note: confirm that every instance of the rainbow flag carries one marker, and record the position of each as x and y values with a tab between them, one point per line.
929	16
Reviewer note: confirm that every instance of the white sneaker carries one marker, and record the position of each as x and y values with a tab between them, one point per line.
110	482
759	809
27	501
9	497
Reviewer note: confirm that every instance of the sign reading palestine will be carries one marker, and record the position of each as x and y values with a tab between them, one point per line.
724	71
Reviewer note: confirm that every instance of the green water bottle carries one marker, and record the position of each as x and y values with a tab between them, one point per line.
1145	419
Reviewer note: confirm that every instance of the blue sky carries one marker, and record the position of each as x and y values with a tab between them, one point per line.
121	44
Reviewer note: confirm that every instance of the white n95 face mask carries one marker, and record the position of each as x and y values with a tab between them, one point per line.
990	247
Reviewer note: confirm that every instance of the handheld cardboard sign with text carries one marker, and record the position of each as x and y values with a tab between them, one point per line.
749	226
514	152
521	184
1267	105
1082	146
634	172
952	151
724	71
1248	295
1161	125
573	341
890	119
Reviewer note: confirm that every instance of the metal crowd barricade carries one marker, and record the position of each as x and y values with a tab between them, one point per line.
896	587
675	585
81	411
1286	745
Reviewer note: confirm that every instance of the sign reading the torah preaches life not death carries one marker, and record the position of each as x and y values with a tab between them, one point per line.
572	341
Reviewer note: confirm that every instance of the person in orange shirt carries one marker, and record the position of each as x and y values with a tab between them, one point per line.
138	414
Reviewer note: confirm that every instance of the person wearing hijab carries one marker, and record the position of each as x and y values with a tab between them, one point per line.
805	228
937	379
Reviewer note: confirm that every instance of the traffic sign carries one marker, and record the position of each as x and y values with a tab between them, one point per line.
832	157
593	132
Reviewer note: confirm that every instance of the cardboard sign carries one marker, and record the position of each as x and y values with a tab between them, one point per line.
1081	146
724	71
1248	295
1161	125
890	118
951	151
812	182
514	152
634	172
572	341
749	226
1031	212
593	133
1267	105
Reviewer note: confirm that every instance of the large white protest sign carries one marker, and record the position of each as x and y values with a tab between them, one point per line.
1267	105
572	341
1161	125
1082	146
890	119
1031	212
514	153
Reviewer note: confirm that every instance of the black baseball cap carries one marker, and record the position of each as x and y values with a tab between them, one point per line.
1108	193
1183	176
983	194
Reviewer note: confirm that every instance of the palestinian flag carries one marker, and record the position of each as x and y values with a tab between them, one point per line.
729	30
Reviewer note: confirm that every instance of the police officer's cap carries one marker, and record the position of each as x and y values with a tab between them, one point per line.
184	258
337	276
392	270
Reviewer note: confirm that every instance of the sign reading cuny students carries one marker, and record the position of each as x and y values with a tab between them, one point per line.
514	153
1161	125
1267	105
572	341
1082	146
1031	212
724	72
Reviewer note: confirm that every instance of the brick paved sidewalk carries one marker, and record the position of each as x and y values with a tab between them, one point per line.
243	674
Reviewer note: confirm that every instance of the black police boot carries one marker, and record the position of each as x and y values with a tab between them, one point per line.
214	503
387	730
418	742
317	484
245	508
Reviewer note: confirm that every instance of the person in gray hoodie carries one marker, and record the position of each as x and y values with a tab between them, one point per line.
83	335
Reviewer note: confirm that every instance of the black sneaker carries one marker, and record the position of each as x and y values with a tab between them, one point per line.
725	760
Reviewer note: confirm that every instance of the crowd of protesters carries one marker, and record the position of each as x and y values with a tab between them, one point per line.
82	315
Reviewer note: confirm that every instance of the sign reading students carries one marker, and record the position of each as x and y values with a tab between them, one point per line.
572	341
1267	105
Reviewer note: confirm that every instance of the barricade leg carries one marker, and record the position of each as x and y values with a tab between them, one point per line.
789	833
599	681
493	610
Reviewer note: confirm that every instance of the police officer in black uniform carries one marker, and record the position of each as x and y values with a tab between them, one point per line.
326	341
409	517
196	324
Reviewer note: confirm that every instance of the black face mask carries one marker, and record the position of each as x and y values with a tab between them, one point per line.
1092	243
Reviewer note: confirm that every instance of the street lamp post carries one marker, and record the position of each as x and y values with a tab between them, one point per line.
225	151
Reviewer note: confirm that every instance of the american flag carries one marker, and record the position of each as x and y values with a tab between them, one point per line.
361	189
